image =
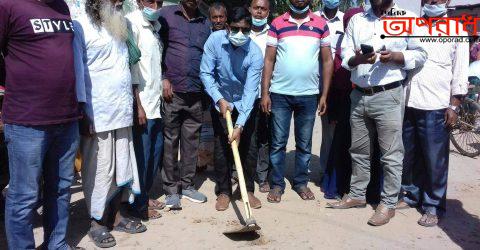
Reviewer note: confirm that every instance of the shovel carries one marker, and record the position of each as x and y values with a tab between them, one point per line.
250	223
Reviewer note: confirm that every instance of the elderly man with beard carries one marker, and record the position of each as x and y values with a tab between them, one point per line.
109	165
184	32
376	104
41	116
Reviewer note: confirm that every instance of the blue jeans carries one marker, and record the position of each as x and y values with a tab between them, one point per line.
425	166
304	110
39	153
148	142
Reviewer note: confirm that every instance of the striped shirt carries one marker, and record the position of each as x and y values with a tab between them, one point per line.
298	45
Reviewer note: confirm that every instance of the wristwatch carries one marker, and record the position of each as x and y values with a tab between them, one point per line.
455	109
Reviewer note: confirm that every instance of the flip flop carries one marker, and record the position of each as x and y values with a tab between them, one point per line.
275	195
305	193
130	226
157	205
101	237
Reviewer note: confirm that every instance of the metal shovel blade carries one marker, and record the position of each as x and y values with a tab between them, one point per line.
250	226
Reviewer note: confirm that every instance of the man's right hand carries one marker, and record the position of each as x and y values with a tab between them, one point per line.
167	91
224	106
360	58
266	104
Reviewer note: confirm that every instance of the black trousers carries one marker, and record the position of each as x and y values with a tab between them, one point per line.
223	153
183	119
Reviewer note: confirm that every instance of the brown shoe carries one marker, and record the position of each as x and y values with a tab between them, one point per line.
254	201
223	201
347	203
382	215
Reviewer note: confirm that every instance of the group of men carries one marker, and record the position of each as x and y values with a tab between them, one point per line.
134	88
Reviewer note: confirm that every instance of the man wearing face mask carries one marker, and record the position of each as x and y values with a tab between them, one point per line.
377	103
334	18
231	69
297	42
260	10
433	96
217	16
147	77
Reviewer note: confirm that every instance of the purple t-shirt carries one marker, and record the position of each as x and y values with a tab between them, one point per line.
36	40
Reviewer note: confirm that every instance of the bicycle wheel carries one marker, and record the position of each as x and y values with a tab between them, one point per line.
466	134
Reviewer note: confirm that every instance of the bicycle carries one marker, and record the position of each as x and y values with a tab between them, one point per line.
465	135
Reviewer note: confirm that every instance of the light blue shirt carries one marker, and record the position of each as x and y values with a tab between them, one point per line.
232	74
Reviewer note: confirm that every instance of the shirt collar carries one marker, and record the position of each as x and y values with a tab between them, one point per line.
265	30
335	18
226	42
179	11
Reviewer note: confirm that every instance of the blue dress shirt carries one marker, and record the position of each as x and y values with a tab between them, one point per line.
232	73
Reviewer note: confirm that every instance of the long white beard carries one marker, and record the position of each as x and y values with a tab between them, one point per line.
114	21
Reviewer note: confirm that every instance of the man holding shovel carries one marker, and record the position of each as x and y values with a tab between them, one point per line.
230	70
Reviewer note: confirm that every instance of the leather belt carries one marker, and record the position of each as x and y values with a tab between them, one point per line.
377	89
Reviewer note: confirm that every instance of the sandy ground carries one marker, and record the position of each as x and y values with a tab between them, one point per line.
296	224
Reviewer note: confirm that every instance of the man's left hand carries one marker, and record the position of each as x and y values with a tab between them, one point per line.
322	106
237	132
450	117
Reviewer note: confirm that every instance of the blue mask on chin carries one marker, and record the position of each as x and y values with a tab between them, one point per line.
297	10
259	22
331	4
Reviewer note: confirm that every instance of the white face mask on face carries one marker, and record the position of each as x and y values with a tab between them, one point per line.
238	39
435	10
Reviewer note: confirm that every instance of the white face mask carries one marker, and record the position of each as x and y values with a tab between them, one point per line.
435	10
238	39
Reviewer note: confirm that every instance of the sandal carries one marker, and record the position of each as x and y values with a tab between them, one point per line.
305	193
153	214
130	226
154	204
101	237
264	187
428	220
275	195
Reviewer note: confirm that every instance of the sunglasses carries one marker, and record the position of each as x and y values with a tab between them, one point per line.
245	31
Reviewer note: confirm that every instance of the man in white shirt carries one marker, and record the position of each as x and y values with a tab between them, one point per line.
377	102
109	165
147	77
432	100
334	18
260	10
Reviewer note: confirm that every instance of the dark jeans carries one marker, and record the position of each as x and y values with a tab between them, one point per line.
304	110
263	138
425	167
183	119
36	153
224	156
148	141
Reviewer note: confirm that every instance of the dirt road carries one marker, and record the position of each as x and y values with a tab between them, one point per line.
296	224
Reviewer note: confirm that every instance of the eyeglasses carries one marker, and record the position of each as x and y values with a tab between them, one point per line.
245	31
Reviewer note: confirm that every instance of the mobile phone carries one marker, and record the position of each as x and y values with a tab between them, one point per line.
366	49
